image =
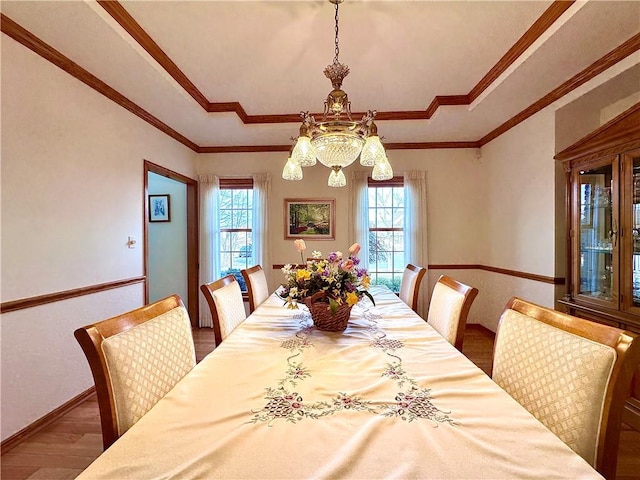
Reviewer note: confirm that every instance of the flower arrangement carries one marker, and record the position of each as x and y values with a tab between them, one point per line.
339	278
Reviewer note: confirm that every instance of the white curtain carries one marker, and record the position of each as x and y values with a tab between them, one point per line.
415	229
261	245
359	208
209	186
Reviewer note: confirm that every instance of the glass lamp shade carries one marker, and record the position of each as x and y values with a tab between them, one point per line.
337	179
382	170
303	153
292	171
372	152
337	149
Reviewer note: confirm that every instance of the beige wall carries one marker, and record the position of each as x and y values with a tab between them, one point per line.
454	203
519	213
72	192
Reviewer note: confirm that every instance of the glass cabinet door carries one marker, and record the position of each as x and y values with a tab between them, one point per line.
595	233
631	242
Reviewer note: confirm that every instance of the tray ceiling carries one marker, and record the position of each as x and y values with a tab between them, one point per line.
237	73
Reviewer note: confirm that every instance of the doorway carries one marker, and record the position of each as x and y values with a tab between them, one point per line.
171	244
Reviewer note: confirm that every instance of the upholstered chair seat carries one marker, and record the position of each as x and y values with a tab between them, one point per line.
257	287
135	359
448	309
571	374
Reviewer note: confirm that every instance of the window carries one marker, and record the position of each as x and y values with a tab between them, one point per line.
236	219
386	232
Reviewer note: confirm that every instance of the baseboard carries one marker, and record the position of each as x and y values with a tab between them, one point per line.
481	328
49	418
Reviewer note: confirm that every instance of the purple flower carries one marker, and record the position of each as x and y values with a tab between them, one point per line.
332	257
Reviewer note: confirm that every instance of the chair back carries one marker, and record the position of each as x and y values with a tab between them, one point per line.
257	286
572	374
449	307
135	359
226	304
410	285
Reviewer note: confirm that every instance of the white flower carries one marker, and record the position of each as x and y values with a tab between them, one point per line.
300	245
316	254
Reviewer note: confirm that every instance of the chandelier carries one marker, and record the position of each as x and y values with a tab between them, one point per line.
337	140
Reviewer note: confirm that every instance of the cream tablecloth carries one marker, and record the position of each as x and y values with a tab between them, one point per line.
387	398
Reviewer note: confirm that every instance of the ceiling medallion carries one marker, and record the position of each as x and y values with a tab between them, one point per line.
337	140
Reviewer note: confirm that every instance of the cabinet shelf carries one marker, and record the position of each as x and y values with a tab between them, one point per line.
597	250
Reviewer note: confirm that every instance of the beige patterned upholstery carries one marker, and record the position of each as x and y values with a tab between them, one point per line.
448	308
257	286
135	359
230	306
226	304
444	311
410	285
572	374
558	376
146	362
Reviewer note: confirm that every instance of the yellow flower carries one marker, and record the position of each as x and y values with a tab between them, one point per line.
352	298
303	275
365	282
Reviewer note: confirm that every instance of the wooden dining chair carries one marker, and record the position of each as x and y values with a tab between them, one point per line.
410	285
257	287
448	309
226	304
135	359
572	374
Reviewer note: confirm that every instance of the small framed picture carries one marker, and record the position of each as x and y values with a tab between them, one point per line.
309	218
159	208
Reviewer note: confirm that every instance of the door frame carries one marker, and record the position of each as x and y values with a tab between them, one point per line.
192	236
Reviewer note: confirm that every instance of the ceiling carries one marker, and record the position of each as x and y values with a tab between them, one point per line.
234	75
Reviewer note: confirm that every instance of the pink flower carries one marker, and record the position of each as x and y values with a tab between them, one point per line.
300	245
347	265
354	249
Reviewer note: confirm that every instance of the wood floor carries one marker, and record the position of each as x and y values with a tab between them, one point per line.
64	448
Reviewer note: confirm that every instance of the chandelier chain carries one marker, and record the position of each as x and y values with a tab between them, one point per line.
337	50
337	141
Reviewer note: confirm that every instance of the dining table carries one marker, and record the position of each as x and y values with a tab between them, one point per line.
386	398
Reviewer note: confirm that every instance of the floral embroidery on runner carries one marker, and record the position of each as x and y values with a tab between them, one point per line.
283	403
412	403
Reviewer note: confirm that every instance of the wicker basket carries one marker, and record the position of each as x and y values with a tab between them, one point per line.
322	317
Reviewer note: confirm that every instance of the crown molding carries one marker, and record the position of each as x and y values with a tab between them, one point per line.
135	30
614	56
33	43
26	38
540	26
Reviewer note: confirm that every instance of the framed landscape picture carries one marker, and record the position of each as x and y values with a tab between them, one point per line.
159	208
309	218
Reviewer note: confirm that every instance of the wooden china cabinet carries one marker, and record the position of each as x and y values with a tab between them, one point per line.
603	241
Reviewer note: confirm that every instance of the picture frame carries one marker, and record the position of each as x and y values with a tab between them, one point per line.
310	218
159	208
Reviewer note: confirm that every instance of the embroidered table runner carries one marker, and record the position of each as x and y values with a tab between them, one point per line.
386	398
